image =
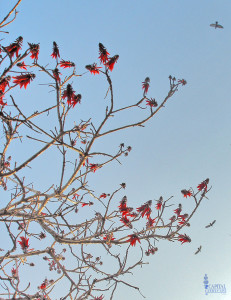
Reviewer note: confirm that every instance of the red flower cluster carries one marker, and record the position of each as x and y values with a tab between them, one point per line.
150	222
24	80
145	85
93	68
76	99
145	209
66	64
183	238
72	99
126	222
55	53
34	50
103	54
94	167
21	65
182	217
186	193
203	185
104	195
111	62
133	239
14	48
85	204
151	103
126	211
24	243
159	203
178	210
4	83
56	74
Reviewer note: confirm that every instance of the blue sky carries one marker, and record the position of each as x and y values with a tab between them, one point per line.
188	141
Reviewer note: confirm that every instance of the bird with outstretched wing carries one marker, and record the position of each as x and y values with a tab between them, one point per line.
198	250
216	25
210	224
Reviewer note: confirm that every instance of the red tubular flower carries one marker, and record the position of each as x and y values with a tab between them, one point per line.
103	54
56	74
103	196
69	94
55	53
34	50
76	99
85	204
150	222
1	99
203	185
93	68
43	286
145	209
145	85
133	239
183	238
110	64
22	65
66	64
186	193
4	83
132	215
151	103
24	80
14	48
24	243
94	167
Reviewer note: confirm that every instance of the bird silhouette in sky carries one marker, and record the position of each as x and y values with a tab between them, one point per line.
210	224
216	25
198	250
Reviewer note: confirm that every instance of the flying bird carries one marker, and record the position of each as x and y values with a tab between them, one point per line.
198	250
210	224
216	25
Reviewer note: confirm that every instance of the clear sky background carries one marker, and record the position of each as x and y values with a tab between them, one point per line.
187	142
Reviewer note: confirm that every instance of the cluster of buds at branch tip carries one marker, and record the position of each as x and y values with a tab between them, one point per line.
151	250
